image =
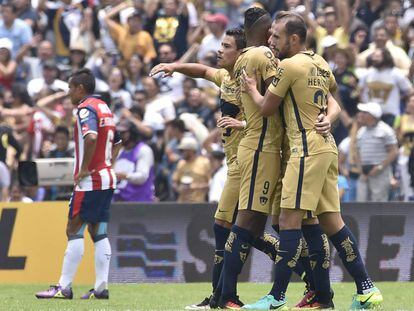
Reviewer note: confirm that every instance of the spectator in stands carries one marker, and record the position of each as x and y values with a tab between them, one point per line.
7	140
7	65
159	109
343	188
15	29
25	12
134	74
370	11
377	147
385	84
359	39
171	86
347	87
336	24
134	166
192	177
64	19
45	52
196	105
349	163
393	28
405	133
48	81
216	24
62	148
188	85
219	173
120	98
169	24
130	38
18	194
381	41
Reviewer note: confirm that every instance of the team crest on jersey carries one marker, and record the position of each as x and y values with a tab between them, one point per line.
263	200
83	113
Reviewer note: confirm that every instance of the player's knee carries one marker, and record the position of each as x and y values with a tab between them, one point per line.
74	233
223	223
331	223
99	233
290	219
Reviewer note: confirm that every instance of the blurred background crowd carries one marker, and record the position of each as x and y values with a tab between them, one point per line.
172	147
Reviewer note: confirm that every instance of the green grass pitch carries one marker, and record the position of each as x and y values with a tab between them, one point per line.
397	295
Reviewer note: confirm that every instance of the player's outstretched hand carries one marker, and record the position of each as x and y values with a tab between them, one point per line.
229	122
323	125
168	70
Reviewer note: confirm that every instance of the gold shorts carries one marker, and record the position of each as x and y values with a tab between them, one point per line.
259	172
311	183
227	206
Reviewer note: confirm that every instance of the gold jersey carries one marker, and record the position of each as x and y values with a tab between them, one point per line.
262	133
304	81
229	106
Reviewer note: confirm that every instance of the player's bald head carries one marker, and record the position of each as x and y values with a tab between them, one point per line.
256	21
294	24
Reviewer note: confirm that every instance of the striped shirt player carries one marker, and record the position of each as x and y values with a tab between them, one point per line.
96	144
94	116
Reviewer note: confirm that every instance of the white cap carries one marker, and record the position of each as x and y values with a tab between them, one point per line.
6	43
328	41
372	108
188	143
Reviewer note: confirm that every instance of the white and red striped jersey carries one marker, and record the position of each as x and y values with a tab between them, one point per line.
94	116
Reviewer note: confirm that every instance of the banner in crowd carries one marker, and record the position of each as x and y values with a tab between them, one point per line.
175	243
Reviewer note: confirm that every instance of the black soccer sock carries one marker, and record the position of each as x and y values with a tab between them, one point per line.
303	266
236	251
267	244
319	257
288	254
346	245
220	234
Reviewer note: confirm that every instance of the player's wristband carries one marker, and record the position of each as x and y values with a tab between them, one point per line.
244	124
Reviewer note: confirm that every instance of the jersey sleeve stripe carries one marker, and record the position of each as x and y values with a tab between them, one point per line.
300	182
89	132
299	121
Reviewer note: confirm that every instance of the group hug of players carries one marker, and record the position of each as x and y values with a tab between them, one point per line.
282	161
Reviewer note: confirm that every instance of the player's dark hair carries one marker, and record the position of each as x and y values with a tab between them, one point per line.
253	16
239	37
62	129
85	77
295	24
387	60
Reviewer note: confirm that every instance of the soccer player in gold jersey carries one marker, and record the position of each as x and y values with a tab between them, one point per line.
232	123
303	83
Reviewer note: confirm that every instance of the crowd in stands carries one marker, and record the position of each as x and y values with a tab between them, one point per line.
172	146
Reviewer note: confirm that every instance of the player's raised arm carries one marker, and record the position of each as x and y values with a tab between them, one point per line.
192	70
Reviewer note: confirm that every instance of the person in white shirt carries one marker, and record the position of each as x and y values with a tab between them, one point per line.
48	80
120	98
385	84
159	108
171	86
219	168
216	23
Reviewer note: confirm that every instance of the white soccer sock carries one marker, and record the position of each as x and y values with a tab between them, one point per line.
71	261
102	260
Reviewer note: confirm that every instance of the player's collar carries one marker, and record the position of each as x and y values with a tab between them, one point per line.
90	96
248	48
308	52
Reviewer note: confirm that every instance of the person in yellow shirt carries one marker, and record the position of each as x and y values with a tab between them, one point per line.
336	25
131	39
